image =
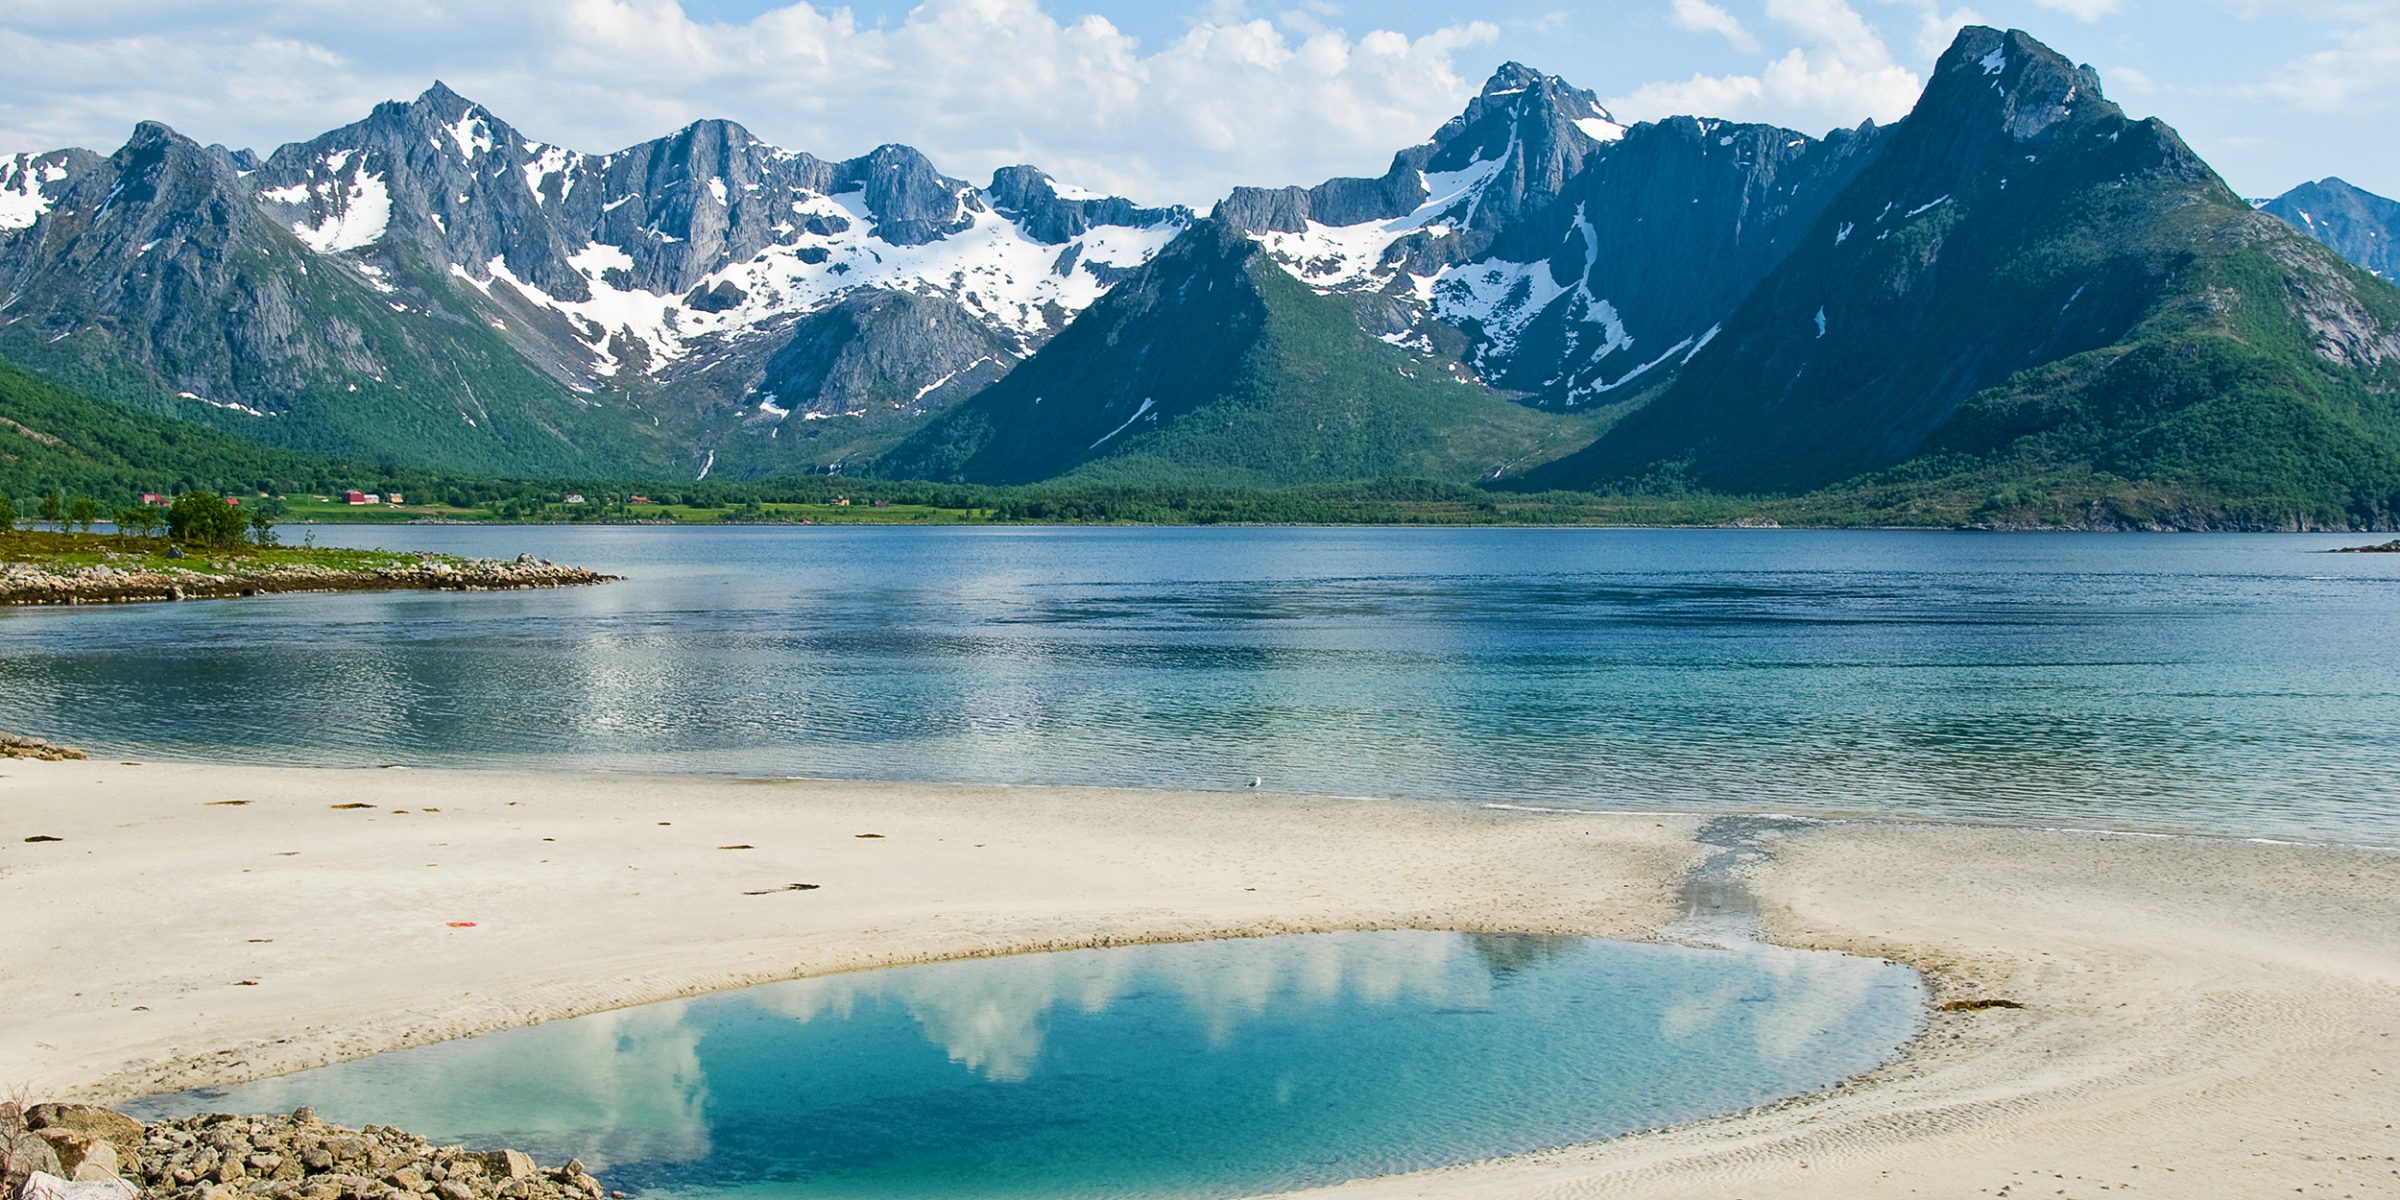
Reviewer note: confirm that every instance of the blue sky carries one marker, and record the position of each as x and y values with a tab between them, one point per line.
1171	100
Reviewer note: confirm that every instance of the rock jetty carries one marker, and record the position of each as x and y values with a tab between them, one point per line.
2386	548
81	1152
13	746
26	583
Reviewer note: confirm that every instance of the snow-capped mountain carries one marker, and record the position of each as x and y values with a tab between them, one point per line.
1559	254
678	278
2015	282
2014	293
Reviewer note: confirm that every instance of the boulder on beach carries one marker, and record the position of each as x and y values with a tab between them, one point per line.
41	1185
13	746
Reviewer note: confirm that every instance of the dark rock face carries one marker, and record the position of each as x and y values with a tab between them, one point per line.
863	359
31	183
162	244
2358	224
1032	199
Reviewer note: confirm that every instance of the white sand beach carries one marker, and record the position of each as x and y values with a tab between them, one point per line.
2202	1018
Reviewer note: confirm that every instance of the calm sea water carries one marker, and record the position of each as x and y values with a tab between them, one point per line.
2227	684
1208	1069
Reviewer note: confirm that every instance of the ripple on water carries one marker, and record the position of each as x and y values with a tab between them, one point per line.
2211	684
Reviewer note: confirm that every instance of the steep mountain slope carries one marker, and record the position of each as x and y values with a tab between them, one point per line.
542	309
1563	257
1212	366
2024	280
53	437
154	277
2358	224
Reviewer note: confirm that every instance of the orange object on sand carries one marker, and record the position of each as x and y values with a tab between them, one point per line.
462	924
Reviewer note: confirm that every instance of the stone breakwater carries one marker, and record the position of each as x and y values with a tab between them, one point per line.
14	746
24	583
79	1151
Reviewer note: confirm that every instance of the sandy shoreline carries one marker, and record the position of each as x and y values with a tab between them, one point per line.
2204	1018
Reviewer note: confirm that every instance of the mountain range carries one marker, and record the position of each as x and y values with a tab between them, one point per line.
2015	304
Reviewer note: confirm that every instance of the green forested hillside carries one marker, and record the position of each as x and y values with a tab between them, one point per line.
54	437
1215	367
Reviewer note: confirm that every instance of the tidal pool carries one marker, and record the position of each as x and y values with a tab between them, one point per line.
1207	1069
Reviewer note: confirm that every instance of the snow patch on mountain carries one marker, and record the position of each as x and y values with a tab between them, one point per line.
358	215
1600	129
991	268
471	134
944	381
546	161
1340	258
1501	297
227	405
22	178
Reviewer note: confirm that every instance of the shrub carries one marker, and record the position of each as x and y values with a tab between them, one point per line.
206	519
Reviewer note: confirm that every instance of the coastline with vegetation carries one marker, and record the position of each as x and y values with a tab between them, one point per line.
203	547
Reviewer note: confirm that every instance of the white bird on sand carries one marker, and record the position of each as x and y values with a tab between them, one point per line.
1255	781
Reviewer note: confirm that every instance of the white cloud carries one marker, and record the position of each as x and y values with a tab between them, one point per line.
2131	79
1840	71
976	84
1937	29
1700	16
2082	10
2359	67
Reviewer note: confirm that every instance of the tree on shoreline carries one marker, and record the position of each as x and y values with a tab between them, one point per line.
205	518
140	520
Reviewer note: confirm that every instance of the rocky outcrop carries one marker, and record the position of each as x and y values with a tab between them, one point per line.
23	583
14	746
295	1157
2386	548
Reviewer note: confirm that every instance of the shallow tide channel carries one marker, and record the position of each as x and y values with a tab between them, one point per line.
1204	1069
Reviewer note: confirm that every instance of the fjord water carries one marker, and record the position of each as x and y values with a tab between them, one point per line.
2224	683
1202	1069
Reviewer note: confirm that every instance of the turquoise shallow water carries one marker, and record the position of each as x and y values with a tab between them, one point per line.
1205	1069
2226	684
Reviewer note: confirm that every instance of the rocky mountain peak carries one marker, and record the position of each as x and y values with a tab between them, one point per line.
1510	77
913	204
1054	215
1523	110
442	101
2357	224
2010	79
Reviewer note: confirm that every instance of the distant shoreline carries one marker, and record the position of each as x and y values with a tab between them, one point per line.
48	569
2216	1006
